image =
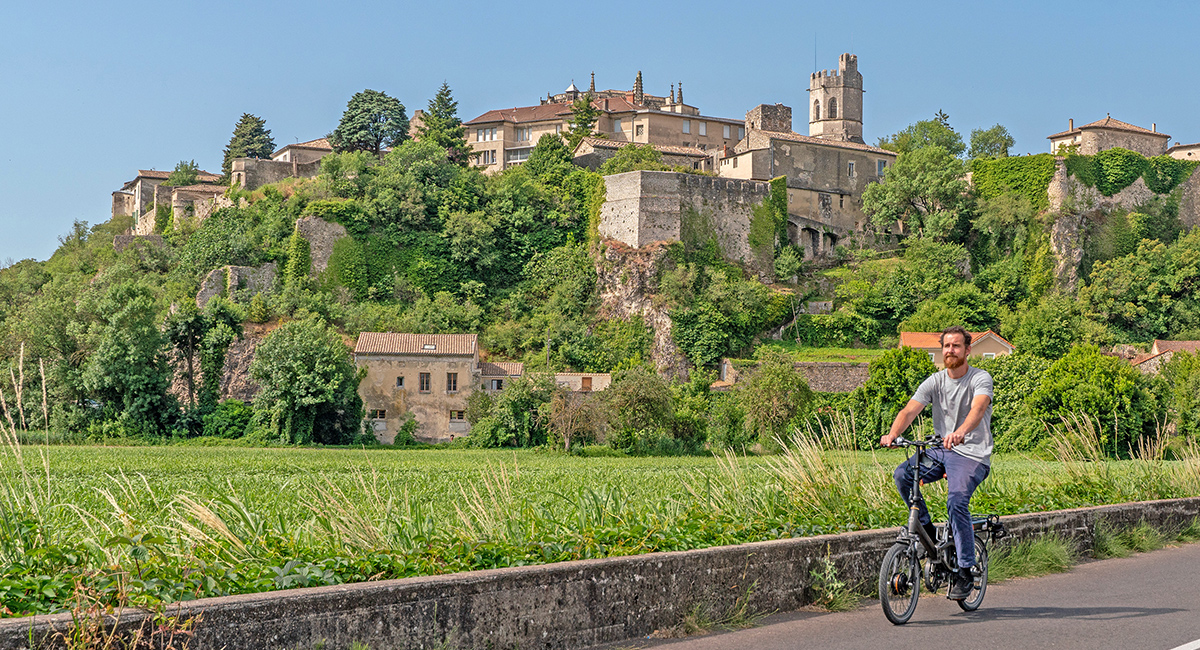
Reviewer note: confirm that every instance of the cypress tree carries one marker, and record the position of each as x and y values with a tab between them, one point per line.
251	139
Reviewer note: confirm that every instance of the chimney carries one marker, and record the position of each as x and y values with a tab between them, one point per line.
605	104
1071	124
1154	127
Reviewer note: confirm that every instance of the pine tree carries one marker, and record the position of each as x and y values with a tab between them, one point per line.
251	139
373	121
440	124
583	118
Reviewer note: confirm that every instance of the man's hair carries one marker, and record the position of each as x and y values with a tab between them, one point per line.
955	329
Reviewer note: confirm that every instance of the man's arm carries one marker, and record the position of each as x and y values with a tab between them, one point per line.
904	418
979	407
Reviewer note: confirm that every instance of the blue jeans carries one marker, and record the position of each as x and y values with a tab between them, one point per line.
962	475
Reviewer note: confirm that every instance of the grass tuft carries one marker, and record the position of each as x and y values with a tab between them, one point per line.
832	594
1031	557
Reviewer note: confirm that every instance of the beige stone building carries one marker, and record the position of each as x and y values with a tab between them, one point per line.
139	196
1185	151
503	138
987	345
1160	353
592	152
1108	133
298	160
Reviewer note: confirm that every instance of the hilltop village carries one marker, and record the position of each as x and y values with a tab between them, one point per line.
618	267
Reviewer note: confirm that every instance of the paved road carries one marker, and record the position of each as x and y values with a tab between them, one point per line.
1151	601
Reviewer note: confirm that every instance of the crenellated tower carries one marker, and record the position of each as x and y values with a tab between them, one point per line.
835	102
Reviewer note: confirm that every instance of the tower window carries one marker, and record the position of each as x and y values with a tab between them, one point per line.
687	126
833	108
880	165
816	109
850	169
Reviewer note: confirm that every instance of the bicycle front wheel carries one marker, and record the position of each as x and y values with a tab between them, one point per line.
972	602
900	583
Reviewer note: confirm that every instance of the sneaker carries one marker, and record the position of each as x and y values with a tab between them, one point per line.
961	584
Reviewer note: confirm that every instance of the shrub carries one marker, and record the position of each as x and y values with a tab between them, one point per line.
892	380
229	420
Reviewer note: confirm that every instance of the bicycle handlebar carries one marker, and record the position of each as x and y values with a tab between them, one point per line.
932	441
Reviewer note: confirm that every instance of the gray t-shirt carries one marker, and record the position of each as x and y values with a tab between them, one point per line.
951	400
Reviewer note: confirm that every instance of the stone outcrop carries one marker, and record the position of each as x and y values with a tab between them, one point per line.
321	236
230	280
235	377
626	283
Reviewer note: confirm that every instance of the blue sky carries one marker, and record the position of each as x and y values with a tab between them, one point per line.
90	93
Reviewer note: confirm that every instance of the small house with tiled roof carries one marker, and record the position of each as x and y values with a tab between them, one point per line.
1109	133
303	152
428	375
495	374
137	196
1160	353
987	345
297	160
592	152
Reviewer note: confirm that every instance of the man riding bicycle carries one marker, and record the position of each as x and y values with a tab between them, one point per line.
961	397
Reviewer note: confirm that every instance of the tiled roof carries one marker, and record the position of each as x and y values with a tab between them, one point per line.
926	340
601	143
215	189
1142	358
796	137
396	343
202	176
581	374
1109	123
1176	346
523	114
501	368
319	143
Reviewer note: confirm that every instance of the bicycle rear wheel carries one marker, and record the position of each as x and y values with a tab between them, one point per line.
973	602
900	583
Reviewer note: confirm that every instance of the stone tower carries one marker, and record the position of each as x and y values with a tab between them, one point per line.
835	102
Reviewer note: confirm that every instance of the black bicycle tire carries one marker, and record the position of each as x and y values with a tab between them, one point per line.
973	602
887	569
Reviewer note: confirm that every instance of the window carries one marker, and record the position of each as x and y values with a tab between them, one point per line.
458	416
558	128
517	155
735	163
399	382
989	355
932	357
487	157
429	346
842	198
725	132
832	112
377	414
850	169
741	133
638	129
687	126
880	166
617	125
497	384
816	109
485	135
423	382
452	382
703	128
586	383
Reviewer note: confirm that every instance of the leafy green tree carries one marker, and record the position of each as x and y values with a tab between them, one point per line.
892	378
1182	377
550	160
184	330
925	191
372	122
583	121
224	324
1014	378
1006	221
128	373
991	143
1047	329
514	420
772	395
251	139
633	157
926	133
639	399
1118	398
308	384
963	305
440	124
186	172
787	264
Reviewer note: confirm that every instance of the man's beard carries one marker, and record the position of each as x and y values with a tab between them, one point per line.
952	362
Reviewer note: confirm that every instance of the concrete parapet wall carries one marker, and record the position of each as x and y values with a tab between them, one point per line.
570	604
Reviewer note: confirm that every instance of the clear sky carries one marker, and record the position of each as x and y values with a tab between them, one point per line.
90	92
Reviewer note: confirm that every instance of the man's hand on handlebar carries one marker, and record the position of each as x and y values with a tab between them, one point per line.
887	439
953	440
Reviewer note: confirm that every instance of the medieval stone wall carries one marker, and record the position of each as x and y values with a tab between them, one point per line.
1096	140
253	173
229	281
321	236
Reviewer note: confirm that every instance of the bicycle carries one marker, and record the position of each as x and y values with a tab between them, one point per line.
914	558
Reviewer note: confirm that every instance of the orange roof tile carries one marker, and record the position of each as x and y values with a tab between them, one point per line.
435	344
523	114
201	175
926	340
1109	123
796	137
319	143
1176	346
501	368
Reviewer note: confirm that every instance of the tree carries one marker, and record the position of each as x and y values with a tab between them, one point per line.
550	160
926	133
892	378
251	139
632	157
309	385
186	172
1048	329
963	305
772	395
1182	377
990	143
639	399
925	191
1014	377
583	119
440	124
372	122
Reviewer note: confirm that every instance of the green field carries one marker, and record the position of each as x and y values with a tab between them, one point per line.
153	524
804	353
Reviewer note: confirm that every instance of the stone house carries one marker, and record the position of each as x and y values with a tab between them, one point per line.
1185	151
298	160
988	345
1108	133
1160	353
429	375
138	196
504	138
494	375
593	152
583	382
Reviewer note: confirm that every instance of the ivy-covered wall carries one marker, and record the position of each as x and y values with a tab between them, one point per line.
1112	170
1026	175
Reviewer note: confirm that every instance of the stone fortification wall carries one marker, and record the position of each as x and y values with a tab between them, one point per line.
647	206
230	281
577	604
1189	204
1093	141
321	236
833	377
253	173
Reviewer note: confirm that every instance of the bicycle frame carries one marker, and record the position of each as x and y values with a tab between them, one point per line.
915	498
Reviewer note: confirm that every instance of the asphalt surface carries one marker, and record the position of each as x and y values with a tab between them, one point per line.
1149	600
